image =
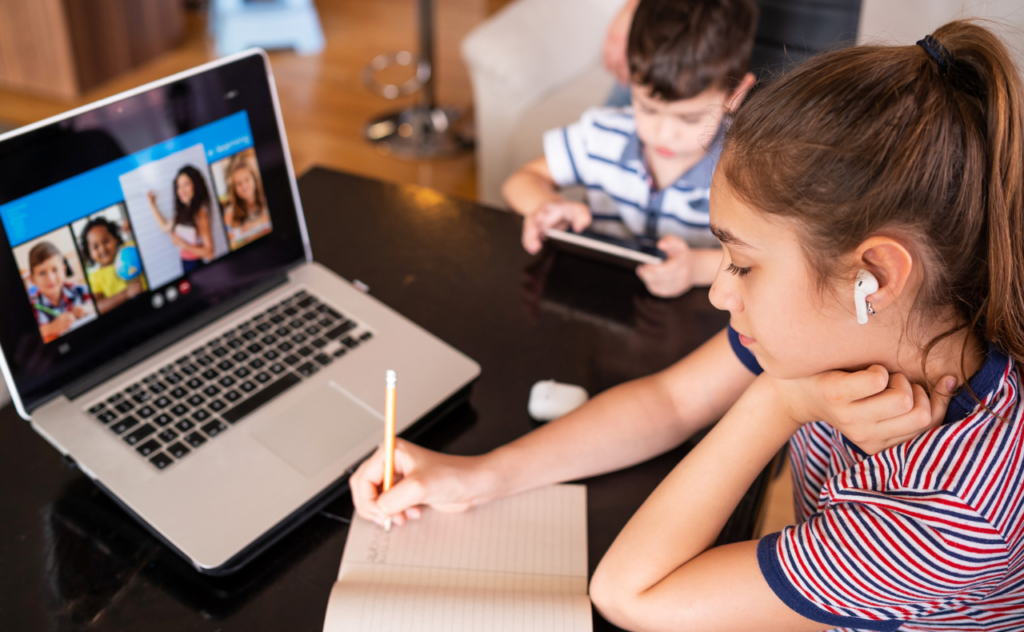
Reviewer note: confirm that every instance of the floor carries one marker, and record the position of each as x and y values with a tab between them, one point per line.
325	105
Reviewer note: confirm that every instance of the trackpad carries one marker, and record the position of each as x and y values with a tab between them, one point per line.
318	429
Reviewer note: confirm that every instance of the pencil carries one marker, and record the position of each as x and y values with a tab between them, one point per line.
389	436
48	310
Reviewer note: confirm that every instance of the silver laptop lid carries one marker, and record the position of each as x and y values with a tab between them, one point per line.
123	220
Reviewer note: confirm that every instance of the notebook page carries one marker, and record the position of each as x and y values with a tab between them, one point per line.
519	563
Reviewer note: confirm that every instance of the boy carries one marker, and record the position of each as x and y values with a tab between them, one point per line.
647	169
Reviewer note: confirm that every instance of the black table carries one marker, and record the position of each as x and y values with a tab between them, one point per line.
71	560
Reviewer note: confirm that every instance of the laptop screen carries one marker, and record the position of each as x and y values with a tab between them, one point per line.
123	221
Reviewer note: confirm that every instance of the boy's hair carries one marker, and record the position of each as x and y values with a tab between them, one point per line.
924	143
680	48
41	252
102	222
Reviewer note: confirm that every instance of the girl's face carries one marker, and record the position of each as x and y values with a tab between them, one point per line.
102	245
768	287
676	130
49	276
184	189
245	185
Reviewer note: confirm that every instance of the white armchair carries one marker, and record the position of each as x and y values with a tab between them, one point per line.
536	64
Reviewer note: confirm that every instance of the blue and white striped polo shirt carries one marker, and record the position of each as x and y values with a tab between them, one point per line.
602	152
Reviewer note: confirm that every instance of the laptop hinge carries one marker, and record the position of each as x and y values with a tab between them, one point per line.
152	347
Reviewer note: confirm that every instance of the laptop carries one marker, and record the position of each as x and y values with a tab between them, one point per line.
166	328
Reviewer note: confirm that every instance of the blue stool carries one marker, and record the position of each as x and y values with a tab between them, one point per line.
236	25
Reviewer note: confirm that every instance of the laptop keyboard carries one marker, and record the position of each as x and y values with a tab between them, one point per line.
168	414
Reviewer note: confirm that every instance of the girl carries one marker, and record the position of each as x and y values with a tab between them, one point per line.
190	229
905	162
58	305
246	217
101	240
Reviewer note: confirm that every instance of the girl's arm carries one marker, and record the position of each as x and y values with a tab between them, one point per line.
659	573
205	233
161	221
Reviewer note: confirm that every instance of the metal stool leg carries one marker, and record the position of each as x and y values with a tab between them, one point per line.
421	131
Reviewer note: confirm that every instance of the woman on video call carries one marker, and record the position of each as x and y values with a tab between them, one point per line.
246	216
190	229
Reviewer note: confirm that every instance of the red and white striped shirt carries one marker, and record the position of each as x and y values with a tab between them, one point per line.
927	535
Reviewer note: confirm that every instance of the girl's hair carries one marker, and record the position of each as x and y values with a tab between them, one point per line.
185	214
239	208
923	146
41	252
102	222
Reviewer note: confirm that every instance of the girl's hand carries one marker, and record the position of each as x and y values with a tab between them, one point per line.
152	197
560	214
177	241
673	277
872	408
423	477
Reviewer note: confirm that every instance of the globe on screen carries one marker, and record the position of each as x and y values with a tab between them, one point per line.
127	263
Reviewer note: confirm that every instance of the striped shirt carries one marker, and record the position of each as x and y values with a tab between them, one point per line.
927	535
602	152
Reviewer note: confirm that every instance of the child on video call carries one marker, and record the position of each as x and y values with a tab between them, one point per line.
101	240
246	214
647	169
190	228
899	162
57	303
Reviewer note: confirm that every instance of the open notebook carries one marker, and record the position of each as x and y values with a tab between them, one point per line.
519	563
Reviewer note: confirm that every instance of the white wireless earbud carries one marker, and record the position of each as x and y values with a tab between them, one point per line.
865	286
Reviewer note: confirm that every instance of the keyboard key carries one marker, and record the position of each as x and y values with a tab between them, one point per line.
97	408
264	327
320	343
204	360
107	416
242	372
272	355
142	397
189	369
254	348
227	381
226	365
178	450
350	342
214	428
323	359
183	360
194	383
150	378
269	339
196	400
217	405
132	388
148	447
161	461
124	406
299	339
312	330
305	352
257	364
340	330
220	352
162	402
210	374
167	435
282	331
334	313
139	434
262	377
285	347
232	396
287	381
145	412
310	315
185	425
179	392
247	386
211	390
276	368
277	319
306	302
235	343
366	335
195	439
340	351
162	419
180	410
250	335
292	360
157	388
124	424
290	311
325	322
240	356
308	369
172	378
201	415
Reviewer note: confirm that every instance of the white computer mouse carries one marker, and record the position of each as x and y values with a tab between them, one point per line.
550	399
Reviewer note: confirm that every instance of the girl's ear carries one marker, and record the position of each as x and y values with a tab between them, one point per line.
740	93
891	263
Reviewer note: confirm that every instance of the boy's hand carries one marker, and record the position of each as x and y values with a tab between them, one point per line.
134	288
561	214
675	275
872	408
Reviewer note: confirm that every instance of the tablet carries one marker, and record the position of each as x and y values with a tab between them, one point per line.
628	254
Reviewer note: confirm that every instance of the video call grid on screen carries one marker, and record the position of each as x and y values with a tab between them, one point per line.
110	234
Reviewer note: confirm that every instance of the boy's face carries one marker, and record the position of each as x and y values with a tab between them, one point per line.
49	276
102	245
676	130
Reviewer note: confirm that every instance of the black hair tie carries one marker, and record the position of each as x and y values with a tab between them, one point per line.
937	51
